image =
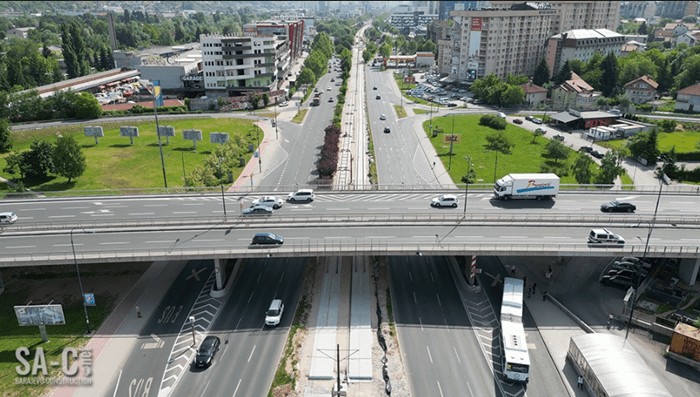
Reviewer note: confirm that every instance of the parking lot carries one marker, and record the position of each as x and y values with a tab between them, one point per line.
431	89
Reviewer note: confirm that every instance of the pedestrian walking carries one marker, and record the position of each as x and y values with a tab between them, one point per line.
529	291
512	271
534	288
544	296
580	382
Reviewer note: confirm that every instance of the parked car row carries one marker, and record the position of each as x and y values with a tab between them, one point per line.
625	273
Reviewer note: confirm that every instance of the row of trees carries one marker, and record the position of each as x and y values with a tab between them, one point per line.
29	106
328	163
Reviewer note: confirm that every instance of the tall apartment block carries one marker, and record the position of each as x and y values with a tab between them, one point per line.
233	66
498	41
570	15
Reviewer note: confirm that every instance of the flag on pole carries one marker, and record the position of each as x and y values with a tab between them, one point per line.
157	93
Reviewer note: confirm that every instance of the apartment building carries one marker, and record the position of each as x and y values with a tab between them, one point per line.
440	32
581	44
233	66
500	41
406	20
293	30
571	15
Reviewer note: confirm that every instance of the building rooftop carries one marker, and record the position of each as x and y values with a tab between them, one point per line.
691	90
582	34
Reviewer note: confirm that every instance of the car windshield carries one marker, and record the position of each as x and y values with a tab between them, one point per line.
273	312
614	203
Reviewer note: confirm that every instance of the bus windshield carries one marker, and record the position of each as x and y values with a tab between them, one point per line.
518	368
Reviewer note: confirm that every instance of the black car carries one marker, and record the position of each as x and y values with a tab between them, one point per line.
387	130
586	149
616	281
597	154
618	206
267	238
207	351
559	137
379	97
375	87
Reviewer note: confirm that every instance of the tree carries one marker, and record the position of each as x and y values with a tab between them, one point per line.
37	162
624	101
556	150
87	107
582	168
664	77
611	73
563	75
499	142
385	50
306	76
642	29
5	136
542	73
366	55
609	170
266	98
513	95
69	160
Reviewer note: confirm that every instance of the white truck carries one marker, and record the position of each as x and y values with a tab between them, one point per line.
527	186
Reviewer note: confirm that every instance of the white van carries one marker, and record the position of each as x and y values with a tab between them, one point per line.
604	236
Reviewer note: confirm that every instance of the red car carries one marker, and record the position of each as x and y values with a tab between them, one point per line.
518	121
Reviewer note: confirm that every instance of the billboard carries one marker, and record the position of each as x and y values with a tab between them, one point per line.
40	315
474	43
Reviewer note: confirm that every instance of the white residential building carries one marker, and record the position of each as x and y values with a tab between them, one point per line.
233	66
581	44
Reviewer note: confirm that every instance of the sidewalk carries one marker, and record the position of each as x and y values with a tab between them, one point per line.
252	174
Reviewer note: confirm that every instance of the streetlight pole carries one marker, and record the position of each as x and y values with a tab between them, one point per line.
258	144
646	248
466	188
452	141
77	269
276	132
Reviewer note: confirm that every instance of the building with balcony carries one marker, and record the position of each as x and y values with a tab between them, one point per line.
233	66
292	29
574	94
406	20
582	45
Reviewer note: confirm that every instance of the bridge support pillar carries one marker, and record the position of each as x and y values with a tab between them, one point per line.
220	273
688	270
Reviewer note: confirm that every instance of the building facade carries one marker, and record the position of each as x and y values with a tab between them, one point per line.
641	90
575	94
689	98
406	20
498	41
582	45
233	66
293	30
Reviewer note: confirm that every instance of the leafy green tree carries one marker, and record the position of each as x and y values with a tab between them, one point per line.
69	55
602	102
644	145
428	46
610	76
582	168
366	55
642	29
69	160
513	95
542	73
87	107
664	77
690	72
563	75
12	165
266	98
385	50
609	170
499	141
624	101
79	49
15	73
37	162
516	79
306	76
576	66
5	136
635	65
556	150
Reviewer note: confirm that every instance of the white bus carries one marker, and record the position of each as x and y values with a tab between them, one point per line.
515	358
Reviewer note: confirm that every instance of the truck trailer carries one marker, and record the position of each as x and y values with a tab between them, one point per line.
527	186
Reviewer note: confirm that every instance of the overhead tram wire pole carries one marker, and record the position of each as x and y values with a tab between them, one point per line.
646	246
158	101
77	269
466	188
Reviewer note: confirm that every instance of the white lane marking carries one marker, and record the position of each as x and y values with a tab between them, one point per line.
205	387
555	237
62	216
141	213
459	360
439	387
193	204
74	208
34	209
336	237
27	217
115	243
115	206
337	209
420	320
155	205
433	236
430	356
184	212
379	209
236	391
117	386
102	215
67	245
513	237
251	353
159	242
20	246
202	240
438	298
415	300
469	236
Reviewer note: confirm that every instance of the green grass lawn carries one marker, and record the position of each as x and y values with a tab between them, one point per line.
115	164
400	111
299	117
684	141
526	156
420	111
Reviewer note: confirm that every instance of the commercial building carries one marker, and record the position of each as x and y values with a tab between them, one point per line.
234	66
582	45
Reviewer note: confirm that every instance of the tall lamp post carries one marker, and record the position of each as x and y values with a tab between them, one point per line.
646	245
77	269
466	188
258	144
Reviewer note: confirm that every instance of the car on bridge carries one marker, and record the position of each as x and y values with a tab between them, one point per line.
274	313
618	206
448	200
604	237
267	238
257	210
301	195
269	201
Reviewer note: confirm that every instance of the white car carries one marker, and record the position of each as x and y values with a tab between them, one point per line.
274	313
269	201
328	89
536	120
382	117
501	115
301	195
7	217
448	200
283	104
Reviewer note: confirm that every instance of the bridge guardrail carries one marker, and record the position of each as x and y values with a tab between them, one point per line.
350	247
441	217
